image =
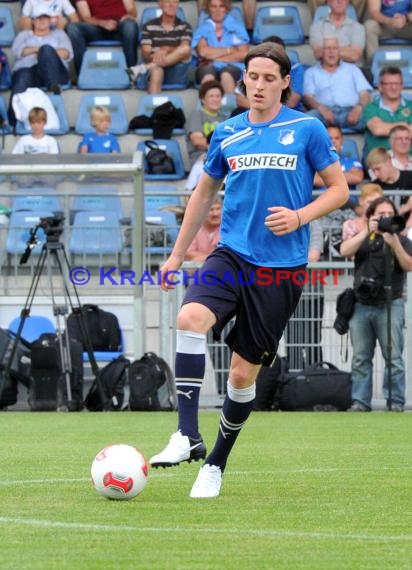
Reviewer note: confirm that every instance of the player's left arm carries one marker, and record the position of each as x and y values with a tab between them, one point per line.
282	221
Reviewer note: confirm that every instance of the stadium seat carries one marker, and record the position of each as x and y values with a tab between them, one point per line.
151	12
350	149
97	198
293	56
4	121
172	147
36	199
7	29
58	104
160	196
401	57
34	326
96	233
19	232
103	69
323	11
161	231
147	103
114	103
283	21
5	76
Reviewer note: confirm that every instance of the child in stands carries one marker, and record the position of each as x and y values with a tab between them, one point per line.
36	142
99	141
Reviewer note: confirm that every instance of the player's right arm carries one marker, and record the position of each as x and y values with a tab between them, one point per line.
196	212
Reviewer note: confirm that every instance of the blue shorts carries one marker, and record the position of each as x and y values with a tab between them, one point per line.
228	286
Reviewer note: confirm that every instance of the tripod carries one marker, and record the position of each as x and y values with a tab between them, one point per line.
389	261
52	249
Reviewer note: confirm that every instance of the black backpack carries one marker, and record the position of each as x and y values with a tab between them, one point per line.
102	328
112	379
151	384
158	160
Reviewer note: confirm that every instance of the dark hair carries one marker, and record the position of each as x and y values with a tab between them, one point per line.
389	70
208	85
275	40
277	54
382	200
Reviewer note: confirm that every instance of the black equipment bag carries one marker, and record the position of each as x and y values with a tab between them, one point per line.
268	384
345	306
165	118
102	328
158	160
19	368
48	389
112	379
151	384
321	386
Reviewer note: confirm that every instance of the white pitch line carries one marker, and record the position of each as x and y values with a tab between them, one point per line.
164	474
205	530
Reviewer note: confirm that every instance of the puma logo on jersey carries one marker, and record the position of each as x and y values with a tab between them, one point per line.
257	161
229	128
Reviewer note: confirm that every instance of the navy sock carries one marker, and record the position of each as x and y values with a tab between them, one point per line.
236	409
189	371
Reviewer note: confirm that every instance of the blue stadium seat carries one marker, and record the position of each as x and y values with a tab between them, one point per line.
97	198
114	103
20	224
36	199
283	21
161	196
7	29
4	124
293	56
151	12
350	149
171	146
160	219
34	326
103	69
58	104
147	103
96	233
5	75
323	11
400	57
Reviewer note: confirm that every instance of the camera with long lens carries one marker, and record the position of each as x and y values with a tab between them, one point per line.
52	227
392	224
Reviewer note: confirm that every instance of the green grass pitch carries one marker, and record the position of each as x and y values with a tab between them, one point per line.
301	491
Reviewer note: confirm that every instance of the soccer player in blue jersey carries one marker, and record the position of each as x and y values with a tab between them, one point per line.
269	155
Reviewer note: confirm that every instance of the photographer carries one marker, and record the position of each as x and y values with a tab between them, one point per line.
377	248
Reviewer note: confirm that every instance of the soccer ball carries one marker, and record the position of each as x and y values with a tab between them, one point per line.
119	472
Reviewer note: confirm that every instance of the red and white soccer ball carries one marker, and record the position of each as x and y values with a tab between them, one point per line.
119	472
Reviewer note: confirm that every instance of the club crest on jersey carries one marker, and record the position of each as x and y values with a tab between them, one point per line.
286	137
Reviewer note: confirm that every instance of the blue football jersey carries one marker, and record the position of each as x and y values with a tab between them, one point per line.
267	164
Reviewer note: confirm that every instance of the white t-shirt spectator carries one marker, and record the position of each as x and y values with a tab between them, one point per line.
27	144
53	7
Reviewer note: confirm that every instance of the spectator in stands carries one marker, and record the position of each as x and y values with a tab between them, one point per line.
359	5
207	238
387	110
370	248
61	12
105	20
42	57
296	84
352	168
248	10
336	91
351	34
387	20
99	141
401	151
166	52
379	161
369	192
221	42
37	142
202	122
